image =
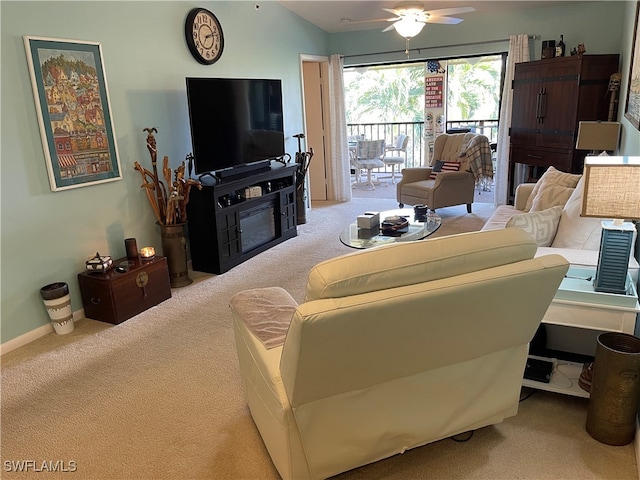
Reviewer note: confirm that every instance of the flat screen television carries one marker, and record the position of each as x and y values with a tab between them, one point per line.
236	124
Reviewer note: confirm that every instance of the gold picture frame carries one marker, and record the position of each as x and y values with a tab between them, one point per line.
73	110
632	110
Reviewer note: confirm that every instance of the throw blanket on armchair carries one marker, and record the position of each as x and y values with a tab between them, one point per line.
478	153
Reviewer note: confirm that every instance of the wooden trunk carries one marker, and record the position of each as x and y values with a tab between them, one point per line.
115	296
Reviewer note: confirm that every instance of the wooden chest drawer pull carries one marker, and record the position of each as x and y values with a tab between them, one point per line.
142	280
96	300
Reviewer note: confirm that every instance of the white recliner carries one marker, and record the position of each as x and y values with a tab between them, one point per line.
393	347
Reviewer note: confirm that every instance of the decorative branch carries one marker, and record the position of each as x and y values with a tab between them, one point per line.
168	199
149	187
153	151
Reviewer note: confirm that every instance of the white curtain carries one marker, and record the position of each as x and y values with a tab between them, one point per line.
518	52
339	187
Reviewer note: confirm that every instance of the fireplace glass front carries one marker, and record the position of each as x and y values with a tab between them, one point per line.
258	226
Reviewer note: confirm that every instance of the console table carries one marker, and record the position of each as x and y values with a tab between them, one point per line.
575	318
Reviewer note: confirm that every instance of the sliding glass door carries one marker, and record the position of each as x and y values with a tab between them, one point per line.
383	101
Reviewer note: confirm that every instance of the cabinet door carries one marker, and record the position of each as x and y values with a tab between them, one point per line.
287	210
228	225
545	97
558	106
527	90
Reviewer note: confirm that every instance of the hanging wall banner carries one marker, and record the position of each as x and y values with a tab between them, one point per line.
434	105
433	92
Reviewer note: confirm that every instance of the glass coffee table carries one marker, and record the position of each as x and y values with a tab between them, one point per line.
419	227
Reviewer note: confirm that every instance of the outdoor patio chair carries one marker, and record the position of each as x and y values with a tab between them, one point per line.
398	154
369	155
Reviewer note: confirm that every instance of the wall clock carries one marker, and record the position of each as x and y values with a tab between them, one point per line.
204	37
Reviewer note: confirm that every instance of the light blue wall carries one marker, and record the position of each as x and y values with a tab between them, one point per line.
46	236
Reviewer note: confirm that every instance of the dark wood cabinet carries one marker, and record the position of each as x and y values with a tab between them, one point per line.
228	225
550	98
115	296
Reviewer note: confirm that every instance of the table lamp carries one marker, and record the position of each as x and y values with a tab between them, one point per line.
598	136
612	190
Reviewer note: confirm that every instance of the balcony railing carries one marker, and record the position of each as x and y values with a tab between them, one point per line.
415	132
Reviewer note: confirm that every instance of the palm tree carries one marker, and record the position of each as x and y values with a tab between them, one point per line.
386	95
473	90
396	94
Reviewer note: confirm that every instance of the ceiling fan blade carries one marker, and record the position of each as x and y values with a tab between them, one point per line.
414	10
392	10
377	20
449	11
443	20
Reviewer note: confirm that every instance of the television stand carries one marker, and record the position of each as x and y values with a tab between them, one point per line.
238	218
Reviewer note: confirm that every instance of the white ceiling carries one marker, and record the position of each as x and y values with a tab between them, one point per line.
329	14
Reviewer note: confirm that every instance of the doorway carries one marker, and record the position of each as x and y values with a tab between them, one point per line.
315	72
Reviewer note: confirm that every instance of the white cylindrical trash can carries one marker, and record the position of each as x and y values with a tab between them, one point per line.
58	303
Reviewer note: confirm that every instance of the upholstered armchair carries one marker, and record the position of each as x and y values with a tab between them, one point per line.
392	348
459	161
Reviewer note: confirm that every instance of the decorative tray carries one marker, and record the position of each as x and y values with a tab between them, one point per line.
394	225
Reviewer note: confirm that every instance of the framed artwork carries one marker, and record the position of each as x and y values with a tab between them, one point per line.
632	111
74	114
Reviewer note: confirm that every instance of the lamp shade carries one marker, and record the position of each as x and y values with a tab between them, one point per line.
408	27
598	136
612	187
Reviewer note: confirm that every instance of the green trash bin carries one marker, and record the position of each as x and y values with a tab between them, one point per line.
615	389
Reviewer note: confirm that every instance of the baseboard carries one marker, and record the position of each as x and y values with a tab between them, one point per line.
34	334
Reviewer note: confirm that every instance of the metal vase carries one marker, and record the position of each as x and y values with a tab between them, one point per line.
174	248
615	389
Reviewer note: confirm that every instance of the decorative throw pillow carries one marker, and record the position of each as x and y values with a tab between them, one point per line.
441	166
551	177
541	225
551	196
575	231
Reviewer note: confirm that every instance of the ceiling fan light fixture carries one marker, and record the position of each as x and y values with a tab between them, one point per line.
408	27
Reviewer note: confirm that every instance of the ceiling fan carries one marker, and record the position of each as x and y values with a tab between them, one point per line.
411	17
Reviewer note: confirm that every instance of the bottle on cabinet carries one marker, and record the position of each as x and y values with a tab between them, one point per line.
560	47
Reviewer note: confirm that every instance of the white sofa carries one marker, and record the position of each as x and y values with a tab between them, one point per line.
393	347
555	221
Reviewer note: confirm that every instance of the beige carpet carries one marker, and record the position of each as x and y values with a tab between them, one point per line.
159	396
